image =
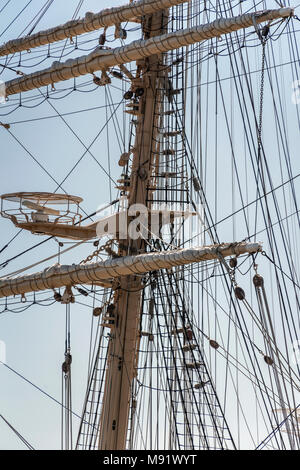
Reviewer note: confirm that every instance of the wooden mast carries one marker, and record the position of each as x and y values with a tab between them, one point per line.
123	354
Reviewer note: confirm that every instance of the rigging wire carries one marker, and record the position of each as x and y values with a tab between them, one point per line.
22	439
5	263
43	392
265	442
16	17
181	164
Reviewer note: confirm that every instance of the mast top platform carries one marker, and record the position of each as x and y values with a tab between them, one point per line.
42	197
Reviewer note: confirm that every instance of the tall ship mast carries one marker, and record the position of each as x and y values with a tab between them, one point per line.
188	261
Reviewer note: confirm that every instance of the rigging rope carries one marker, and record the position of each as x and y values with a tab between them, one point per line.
29	446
